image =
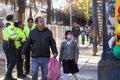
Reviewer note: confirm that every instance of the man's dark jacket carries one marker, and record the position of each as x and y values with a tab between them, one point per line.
76	31
40	41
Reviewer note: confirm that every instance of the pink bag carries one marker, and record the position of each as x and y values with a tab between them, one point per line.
53	69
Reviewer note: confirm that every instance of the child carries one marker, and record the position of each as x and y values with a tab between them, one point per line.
91	37
83	36
69	54
87	30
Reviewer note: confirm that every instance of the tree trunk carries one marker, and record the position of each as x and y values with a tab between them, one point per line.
49	12
30	15
95	25
21	11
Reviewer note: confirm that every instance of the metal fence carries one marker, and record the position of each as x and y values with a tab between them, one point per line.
58	33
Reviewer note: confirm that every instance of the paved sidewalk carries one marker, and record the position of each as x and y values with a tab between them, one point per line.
87	65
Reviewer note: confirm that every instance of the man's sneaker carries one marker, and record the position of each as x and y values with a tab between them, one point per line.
9	78
21	76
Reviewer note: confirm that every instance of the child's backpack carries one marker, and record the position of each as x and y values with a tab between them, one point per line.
53	69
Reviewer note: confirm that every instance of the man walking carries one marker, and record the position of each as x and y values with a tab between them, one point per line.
40	39
28	27
76	32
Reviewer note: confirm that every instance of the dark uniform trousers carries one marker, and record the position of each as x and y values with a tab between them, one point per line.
11	53
27	61
19	62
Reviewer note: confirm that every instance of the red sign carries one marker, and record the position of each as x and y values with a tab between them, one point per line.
70	1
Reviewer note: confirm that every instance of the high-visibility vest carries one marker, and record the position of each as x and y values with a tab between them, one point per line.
20	35
27	29
9	32
5	33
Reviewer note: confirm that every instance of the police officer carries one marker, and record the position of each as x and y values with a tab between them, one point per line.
9	37
21	38
30	26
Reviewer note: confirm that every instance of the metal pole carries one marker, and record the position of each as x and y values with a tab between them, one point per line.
70	16
105	48
87	11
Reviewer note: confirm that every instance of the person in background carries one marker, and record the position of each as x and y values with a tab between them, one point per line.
40	40
28	27
91	36
83	36
76	32
87	30
19	44
9	38
69	54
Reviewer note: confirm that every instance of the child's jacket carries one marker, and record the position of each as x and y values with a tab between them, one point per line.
70	51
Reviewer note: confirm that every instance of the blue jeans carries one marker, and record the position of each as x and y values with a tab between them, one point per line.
42	62
76	39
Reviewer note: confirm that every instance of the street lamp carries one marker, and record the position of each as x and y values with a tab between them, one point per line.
70	2
87	11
